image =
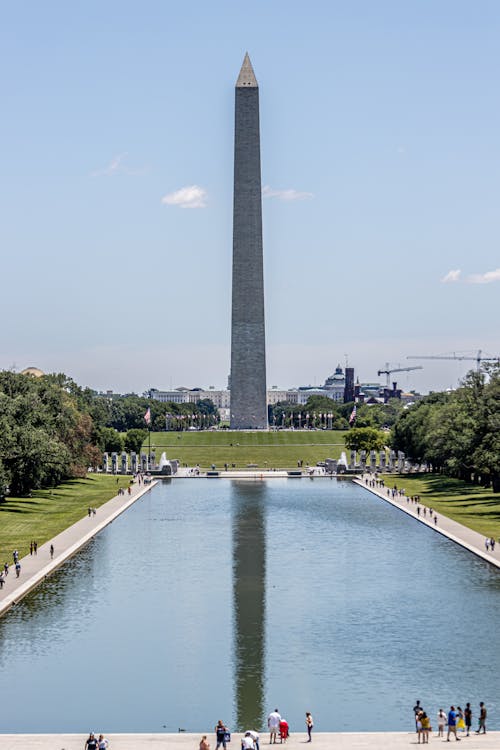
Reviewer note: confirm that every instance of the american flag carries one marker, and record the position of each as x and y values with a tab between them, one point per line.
352	418
147	416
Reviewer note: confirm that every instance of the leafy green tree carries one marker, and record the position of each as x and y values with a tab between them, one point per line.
457	433
206	406
365	439
37	460
134	440
110	440
4	480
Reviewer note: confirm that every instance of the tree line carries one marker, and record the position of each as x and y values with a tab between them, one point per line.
52	429
458	432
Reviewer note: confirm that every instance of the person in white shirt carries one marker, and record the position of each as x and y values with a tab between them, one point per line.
255	737
273	722
442	720
247	743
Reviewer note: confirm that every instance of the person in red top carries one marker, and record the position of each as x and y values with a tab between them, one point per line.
283	730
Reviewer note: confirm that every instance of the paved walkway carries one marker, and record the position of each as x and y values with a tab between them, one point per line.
321	741
34	568
455	531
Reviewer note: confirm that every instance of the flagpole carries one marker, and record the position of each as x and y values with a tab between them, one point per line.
147	419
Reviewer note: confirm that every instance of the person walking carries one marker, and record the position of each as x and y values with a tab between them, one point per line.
6	569
102	743
441	718
18	569
467	718
417	708
220	734
51	551
273	722
284	730
2	579
452	724
204	743
426	727
482	718
309	725
91	743
460	719
420	732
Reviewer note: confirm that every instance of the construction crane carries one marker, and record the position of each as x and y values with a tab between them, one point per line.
388	371
478	358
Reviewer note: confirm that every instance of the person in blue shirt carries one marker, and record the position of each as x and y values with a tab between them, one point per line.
452	724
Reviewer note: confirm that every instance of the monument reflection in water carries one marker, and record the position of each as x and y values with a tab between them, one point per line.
249	601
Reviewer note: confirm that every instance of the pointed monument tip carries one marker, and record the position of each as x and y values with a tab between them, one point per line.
246	77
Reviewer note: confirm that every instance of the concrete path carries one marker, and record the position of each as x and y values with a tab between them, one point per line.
321	741
455	531
34	568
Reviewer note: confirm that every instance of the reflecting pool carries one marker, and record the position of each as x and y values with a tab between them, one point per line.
224	599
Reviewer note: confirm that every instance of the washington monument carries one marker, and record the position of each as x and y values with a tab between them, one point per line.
248	340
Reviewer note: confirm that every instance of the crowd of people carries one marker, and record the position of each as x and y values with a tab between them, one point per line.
278	729
455	720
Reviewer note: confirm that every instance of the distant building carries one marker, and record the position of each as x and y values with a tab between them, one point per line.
337	387
33	371
349	385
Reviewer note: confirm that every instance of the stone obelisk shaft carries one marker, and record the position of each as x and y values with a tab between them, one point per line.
248	346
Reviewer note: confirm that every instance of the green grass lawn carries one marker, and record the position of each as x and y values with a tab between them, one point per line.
49	512
280	450
473	506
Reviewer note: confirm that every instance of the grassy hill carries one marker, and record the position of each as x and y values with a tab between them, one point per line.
279	450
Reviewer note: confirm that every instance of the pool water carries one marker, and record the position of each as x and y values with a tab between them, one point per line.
224	599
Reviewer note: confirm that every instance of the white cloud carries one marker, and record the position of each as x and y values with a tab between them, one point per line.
484	278
290	194
112	168
451	277
116	166
191	196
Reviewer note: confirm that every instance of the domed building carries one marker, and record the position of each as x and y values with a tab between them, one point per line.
335	385
33	371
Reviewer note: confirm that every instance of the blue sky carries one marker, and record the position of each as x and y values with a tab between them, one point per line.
380	131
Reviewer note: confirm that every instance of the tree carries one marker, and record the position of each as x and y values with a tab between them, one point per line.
4	480
134	440
36	461
365	439
457	433
110	440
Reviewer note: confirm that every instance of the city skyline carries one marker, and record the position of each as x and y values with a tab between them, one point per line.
380	173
